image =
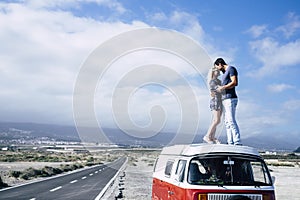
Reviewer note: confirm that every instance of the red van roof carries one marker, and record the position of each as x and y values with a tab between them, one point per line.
203	148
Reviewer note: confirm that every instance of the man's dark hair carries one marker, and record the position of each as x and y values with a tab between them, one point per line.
220	61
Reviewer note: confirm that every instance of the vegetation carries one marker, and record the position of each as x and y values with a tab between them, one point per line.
284	160
31	156
281	164
2	184
70	162
286	157
44	172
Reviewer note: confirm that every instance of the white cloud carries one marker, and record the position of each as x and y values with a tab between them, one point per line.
292	25
273	51
41	54
274	55
158	17
292	105
257	30
44	50
180	20
253	118
152	87
111	4
276	88
188	23
218	28
143	99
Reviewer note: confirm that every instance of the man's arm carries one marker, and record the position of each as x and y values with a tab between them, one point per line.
233	83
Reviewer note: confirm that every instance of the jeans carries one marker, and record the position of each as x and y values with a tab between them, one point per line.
232	129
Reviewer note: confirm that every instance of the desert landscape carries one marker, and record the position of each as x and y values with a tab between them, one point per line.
138	174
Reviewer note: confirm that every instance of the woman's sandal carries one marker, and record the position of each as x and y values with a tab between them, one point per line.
207	140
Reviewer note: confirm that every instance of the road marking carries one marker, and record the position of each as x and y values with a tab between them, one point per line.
91	174
73	181
110	182
32	199
83	177
57	188
96	172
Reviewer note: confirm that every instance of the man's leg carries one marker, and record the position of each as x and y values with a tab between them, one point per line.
230	109
235	127
227	116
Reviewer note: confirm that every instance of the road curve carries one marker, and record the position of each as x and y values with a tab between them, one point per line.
85	184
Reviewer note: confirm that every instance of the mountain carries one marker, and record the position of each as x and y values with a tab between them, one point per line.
275	141
32	131
297	150
29	131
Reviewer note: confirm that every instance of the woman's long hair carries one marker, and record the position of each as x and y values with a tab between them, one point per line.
210	76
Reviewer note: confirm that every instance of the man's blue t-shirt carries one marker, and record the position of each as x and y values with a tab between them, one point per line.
229	93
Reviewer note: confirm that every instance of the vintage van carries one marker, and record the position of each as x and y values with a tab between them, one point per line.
211	172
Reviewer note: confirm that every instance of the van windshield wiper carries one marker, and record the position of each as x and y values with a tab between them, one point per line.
257	185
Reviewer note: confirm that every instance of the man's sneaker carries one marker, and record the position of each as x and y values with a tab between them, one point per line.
239	144
216	141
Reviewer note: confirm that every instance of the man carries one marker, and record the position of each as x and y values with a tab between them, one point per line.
229	100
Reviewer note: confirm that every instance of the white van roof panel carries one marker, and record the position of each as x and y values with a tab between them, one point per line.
203	148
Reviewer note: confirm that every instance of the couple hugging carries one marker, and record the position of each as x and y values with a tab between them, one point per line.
223	101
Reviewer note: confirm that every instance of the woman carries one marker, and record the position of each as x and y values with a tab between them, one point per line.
215	106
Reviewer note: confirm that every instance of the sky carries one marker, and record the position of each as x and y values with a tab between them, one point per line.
44	45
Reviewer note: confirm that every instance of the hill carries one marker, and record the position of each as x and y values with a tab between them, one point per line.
12	131
33	131
297	150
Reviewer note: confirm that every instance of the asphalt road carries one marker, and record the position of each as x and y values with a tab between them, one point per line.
85	184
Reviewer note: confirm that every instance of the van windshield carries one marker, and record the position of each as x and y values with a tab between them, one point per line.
228	170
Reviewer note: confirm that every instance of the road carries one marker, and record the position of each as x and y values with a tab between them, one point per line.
85	184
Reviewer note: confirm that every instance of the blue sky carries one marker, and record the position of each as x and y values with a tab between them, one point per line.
44	44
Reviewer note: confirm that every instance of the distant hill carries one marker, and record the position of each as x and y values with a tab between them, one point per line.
273	142
265	142
297	150
14	130
30	131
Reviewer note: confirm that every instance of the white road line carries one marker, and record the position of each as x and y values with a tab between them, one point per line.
48	178
57	188
83	177
91	174
32	199
73	181
96	172
110	182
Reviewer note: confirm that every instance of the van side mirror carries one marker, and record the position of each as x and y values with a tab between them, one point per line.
273	179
